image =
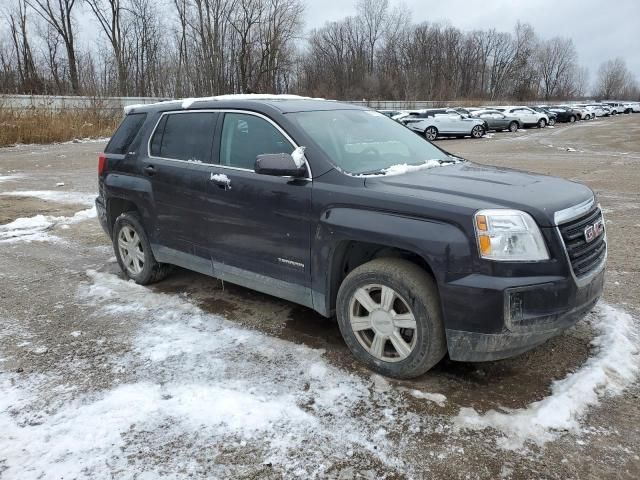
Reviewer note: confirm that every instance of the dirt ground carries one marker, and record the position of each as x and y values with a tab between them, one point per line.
64	350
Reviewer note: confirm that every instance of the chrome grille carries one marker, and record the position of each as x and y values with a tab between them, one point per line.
584	256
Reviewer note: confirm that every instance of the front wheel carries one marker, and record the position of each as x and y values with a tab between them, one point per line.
133	251
390	317
552	122
477	131
542	123
572	119
431	133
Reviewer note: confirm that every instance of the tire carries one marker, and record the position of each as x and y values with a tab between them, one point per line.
552	122
141	267
614	113
513	127
409	289
431	133
477	131
572	119
542	123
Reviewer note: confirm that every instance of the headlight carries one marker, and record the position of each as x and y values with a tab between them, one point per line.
509	236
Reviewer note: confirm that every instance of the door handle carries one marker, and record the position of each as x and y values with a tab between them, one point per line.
150	170
221	180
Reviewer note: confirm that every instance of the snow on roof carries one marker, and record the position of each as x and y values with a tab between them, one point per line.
187	102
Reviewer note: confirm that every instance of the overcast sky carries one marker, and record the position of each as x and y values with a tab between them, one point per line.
600	29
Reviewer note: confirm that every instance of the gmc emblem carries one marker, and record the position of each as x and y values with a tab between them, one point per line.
594	231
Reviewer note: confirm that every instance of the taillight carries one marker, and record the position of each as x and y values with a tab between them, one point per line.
102	162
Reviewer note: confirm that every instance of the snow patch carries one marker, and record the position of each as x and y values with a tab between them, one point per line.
298	156
197	381
401	169
436	398
187	102
36	228
55	196
614	366
220	177
10	178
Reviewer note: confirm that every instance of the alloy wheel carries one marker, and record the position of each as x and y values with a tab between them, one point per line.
383	323
131	251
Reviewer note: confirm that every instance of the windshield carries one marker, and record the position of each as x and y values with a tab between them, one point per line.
366	142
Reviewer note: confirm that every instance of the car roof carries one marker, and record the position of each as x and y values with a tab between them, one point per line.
282	103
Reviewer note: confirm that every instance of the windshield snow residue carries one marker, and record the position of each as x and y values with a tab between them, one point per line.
401	169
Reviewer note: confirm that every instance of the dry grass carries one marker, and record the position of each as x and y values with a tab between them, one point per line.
44	126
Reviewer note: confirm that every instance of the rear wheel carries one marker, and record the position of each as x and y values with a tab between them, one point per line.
431	133
477	131
390	318
542	123
513	127
133	251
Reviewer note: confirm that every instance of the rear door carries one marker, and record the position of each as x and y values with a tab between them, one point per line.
258	225
180	141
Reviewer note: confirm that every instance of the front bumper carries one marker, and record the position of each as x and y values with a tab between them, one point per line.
529	312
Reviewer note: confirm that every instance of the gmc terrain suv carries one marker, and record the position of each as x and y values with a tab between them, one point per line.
341	209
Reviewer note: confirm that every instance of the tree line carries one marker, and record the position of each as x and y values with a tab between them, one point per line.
209	47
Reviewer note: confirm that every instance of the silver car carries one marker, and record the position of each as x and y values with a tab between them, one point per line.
433	123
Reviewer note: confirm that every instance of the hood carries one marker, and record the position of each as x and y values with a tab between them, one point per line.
474	186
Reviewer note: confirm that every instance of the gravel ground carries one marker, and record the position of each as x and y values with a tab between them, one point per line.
191	378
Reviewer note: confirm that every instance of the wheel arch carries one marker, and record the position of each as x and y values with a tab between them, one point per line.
342	245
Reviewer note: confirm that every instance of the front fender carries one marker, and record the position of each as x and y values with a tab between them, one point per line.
443	246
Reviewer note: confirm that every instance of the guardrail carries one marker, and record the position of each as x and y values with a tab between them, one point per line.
68	102
113	104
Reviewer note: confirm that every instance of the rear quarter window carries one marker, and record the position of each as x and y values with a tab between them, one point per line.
126	133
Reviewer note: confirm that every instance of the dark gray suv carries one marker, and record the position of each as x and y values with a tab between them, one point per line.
341	209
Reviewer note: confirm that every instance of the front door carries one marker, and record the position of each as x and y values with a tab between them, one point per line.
259	225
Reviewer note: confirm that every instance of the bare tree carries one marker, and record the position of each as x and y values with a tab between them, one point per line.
556	62
614	79
59	15
110	15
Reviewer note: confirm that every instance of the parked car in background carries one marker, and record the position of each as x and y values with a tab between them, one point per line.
616	107
433	123
498	121
527	116
631	107
564	114
553	117
596	109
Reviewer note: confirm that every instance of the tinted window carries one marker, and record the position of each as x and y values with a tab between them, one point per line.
244	137
363	141
125	134
185	136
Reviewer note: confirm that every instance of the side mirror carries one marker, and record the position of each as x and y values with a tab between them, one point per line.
279	165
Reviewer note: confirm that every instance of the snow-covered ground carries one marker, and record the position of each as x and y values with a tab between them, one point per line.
614	366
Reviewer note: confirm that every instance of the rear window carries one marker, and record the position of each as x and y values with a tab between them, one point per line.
127	131
185	136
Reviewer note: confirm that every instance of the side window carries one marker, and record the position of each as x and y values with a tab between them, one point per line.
185	136
125	134
244	137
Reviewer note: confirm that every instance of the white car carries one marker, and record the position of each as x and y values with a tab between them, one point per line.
616	107
585	113
631	107
596	109
527	116
433	123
